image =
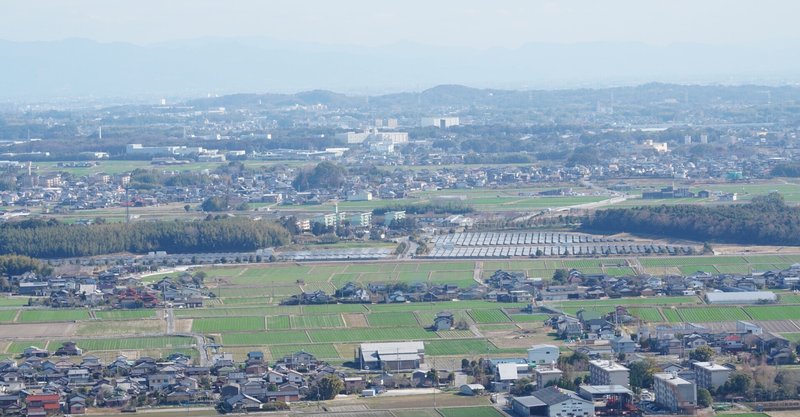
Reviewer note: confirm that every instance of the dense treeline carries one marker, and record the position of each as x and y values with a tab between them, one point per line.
325	175
51	239
17	265
767	220
445	207
786	169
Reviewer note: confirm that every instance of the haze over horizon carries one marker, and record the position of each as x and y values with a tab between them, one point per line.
189	48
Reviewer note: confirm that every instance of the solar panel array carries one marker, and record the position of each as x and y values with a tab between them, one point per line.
511	244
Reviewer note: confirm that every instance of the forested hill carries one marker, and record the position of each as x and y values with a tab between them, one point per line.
51	239
766	220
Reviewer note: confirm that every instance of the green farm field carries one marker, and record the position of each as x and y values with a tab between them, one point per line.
126	314
470	412
712	314
220	325
34	316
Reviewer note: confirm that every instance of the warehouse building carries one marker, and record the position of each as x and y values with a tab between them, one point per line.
744	297
393	356
552	402
543	354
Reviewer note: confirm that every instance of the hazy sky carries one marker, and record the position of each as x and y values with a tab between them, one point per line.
484	24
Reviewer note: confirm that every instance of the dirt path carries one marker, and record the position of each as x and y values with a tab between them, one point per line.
477	273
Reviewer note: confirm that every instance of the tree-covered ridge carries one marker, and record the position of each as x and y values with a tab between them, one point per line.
17	265
325	175
766	220
56	240
786	169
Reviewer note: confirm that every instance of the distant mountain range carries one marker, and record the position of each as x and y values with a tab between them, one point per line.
81	68
444	97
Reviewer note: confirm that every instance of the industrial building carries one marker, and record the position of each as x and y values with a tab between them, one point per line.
540	354
440	122
374	136
392	356
552	402
608	400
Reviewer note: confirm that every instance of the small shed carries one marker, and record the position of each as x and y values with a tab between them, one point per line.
471	389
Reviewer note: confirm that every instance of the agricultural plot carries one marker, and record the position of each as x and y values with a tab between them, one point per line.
581	264
529	318
407	267
422	412
793	337
265	338
766	259
278	323
13	301
528	264
735	269
672	315
545	274
339	280
634	301
263	290
283	274
489	316
498	327
318	286
7	315
789	298
35	316
461	278
321	351
599	310
220	325
470	412
357	335
619	272
323	272
120	328
392	319
452	347
692	261
245	301
789	312
371	267
126	314
455	334
411	277
237	311
712	314
693	269
425	318
18	346
478	304
135	343
384	277
649	314
317	321
334	308
445	266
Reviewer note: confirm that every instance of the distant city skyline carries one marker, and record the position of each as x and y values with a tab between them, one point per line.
460	24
